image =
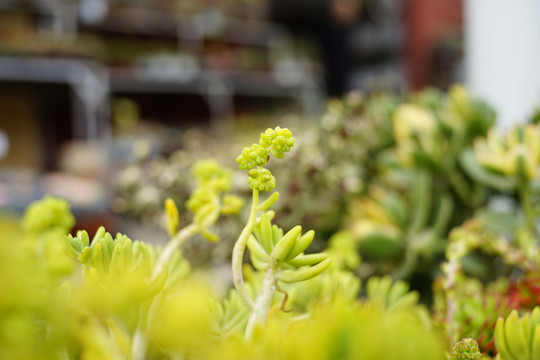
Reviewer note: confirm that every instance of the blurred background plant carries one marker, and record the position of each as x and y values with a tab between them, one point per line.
420	190
492	260
486	275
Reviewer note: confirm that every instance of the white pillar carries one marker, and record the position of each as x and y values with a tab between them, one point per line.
502	56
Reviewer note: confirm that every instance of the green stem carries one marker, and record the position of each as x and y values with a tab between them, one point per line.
422	202
460	186
443	214
263	302
451	273
238	253
172	246
408	265
139	345
140	342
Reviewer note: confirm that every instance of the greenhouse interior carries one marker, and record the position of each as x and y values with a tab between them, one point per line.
269	179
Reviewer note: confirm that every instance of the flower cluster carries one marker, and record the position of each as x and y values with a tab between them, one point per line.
209	173
261	179
278	141
274	142
48	214
252	156
207	201
466	349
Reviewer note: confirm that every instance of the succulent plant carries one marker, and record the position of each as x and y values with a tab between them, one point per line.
466	349
518	337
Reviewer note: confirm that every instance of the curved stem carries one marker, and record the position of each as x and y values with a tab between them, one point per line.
422	195
140	343
408	265
443	214
460	186
263	302
172	246
451	272
238	253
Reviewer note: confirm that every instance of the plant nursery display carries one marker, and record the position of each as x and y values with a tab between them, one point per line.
434	248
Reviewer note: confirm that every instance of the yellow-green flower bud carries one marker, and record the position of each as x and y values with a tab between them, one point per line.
277	141
47	214
232	204
173	218
199	198
211	174
261	179
253	156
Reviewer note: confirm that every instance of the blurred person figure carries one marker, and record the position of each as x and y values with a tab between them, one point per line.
330	24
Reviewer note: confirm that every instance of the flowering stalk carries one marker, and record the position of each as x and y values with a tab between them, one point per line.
253	158
206	204
173	246
263	302
270	250
238	253
140	342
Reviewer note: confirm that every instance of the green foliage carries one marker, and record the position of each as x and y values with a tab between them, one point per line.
339	330
27	303
124	299
510	163
187	174
333	160
517	154
48	214
330	286
518	337
180	323
474	309
418	190
285	253
121	267
343	249
228	316
110	297
280	256
467	307
390	296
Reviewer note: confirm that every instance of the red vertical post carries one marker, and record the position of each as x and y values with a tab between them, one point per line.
427	21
